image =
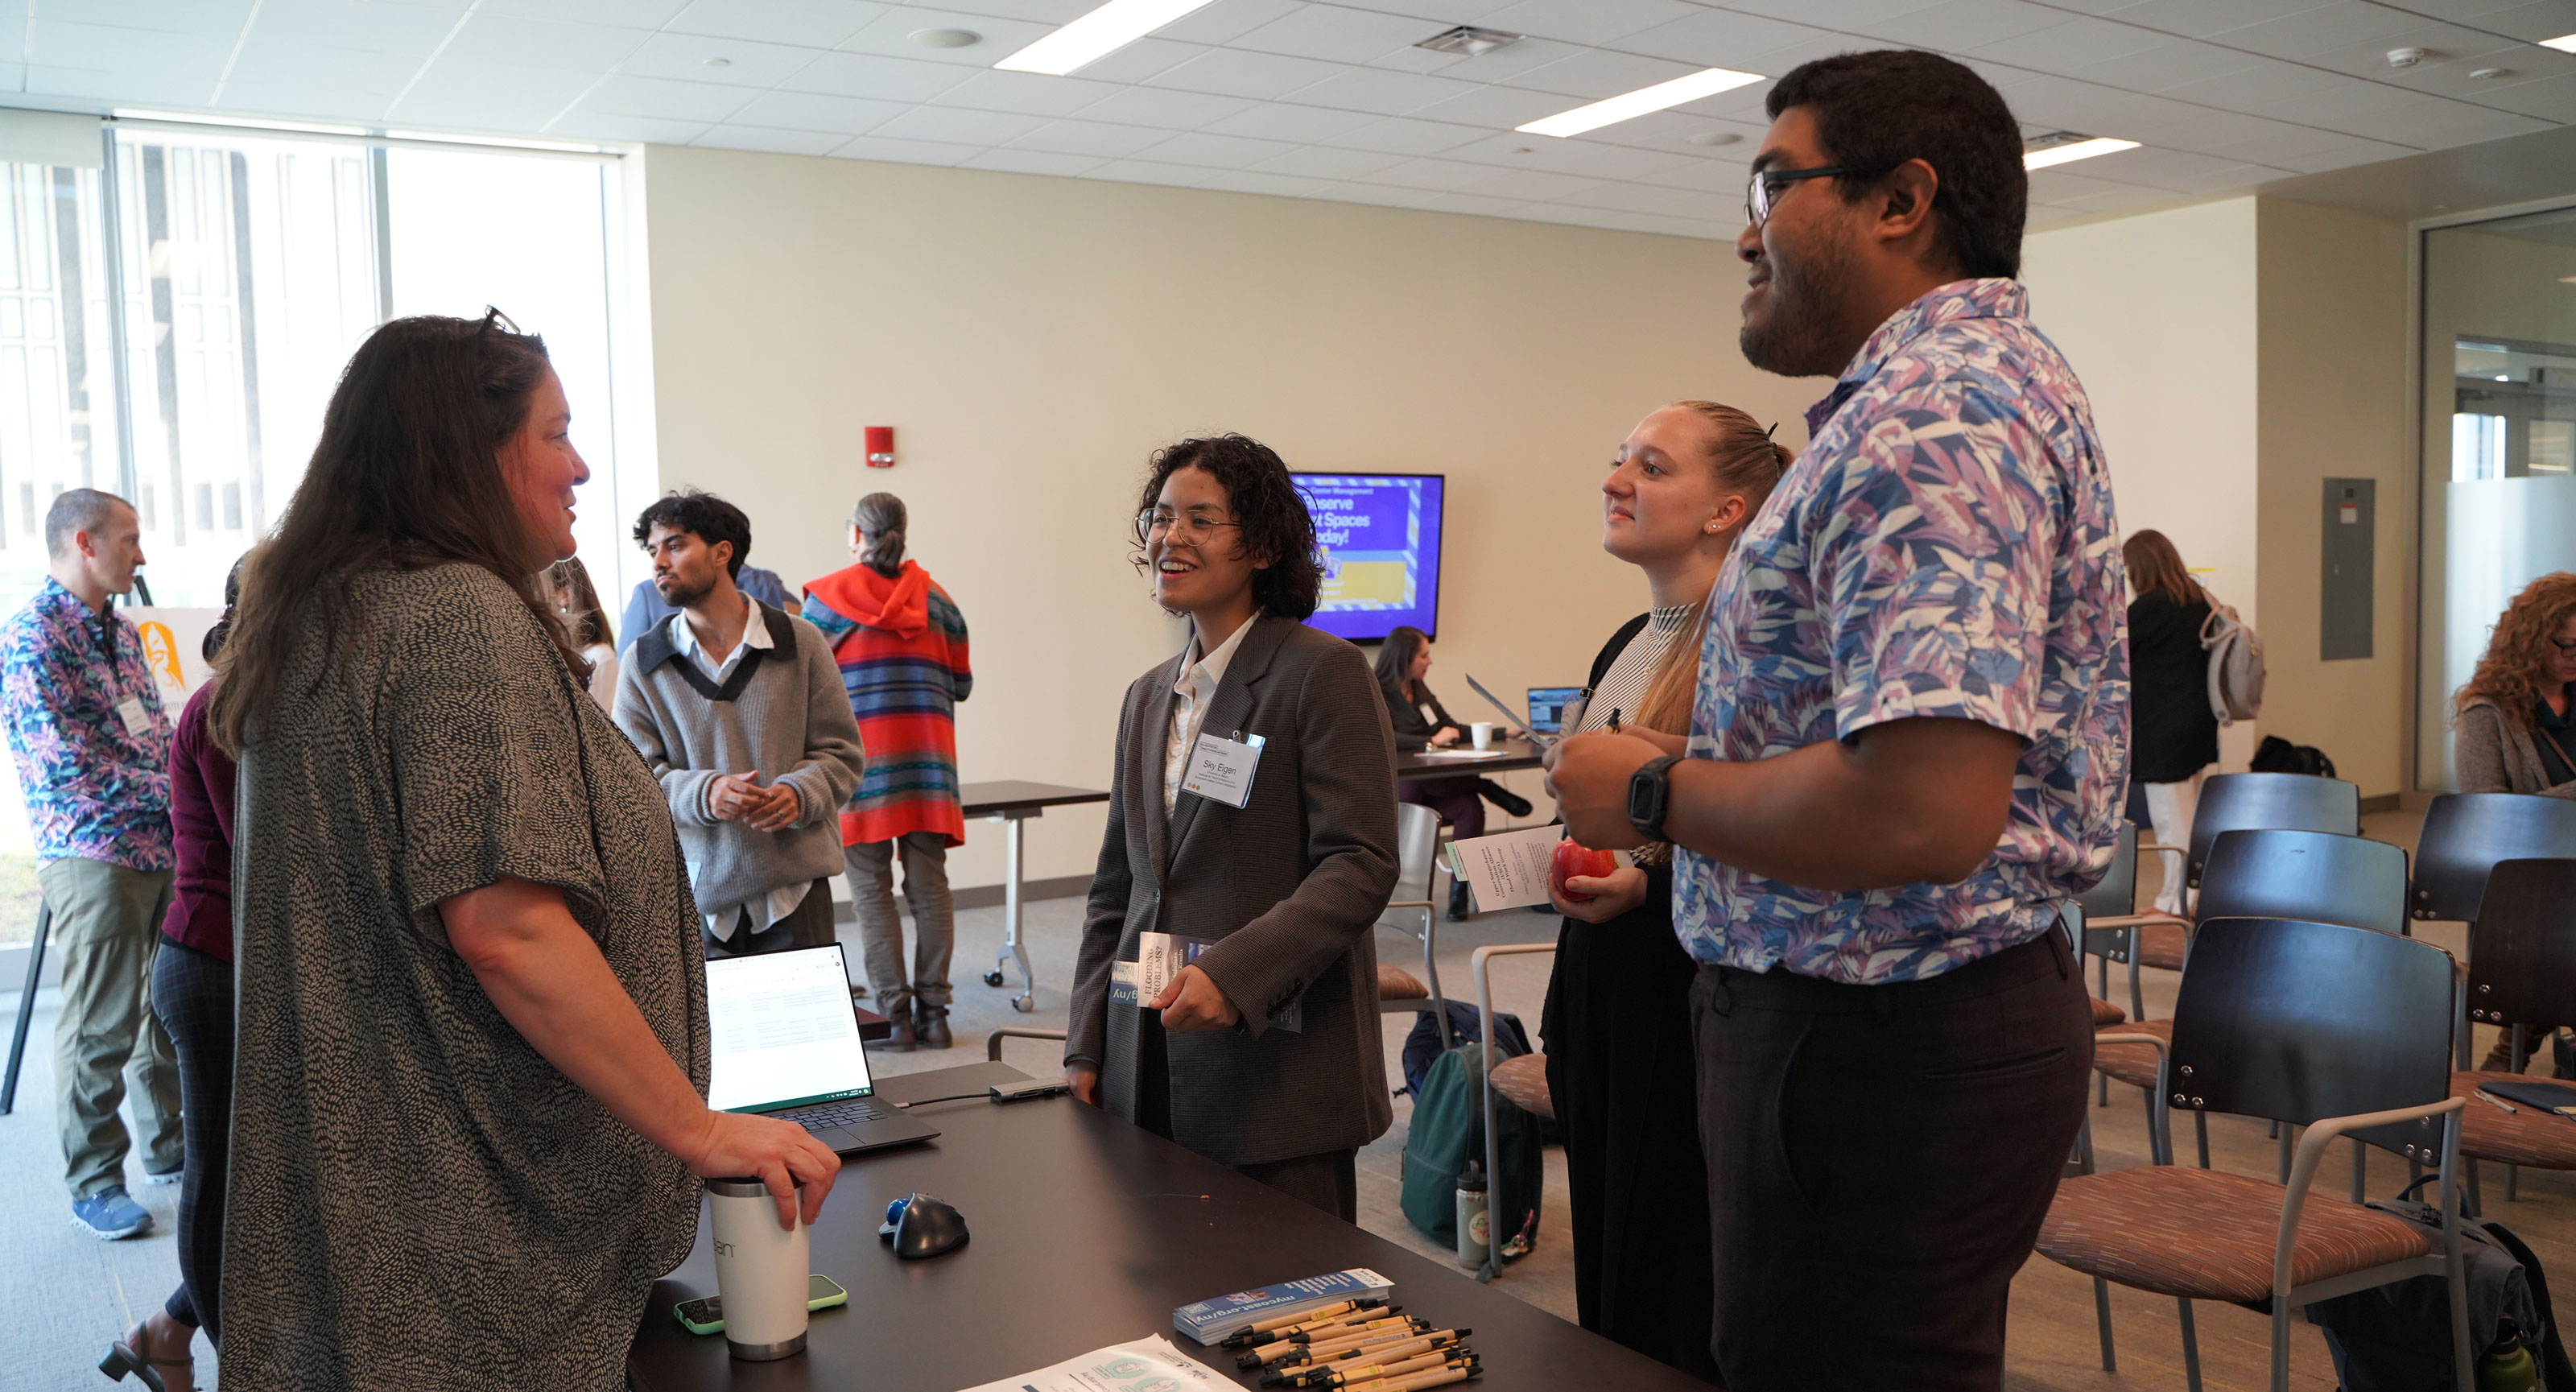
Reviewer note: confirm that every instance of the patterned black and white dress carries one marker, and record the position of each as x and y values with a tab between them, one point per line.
418	1199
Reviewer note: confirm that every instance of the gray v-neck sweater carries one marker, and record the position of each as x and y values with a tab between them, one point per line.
783	715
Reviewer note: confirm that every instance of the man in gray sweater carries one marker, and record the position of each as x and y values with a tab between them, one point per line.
739	711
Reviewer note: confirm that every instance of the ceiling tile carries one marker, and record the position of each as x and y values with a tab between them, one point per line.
1322	162
634	14
604	125
1596	73
1722	39
2198	19
891	34
2072	43
1850	16
1577	156
1099	139
1017	161
1535	184
1148	172
309	100
277	65
492	37
2441	124
956	125
1498	108
813	111
1166	108
1275	185
1035	94
877	147
161	87
808	23
730	136
1335	33
1216	151
733	62
1047	12
351	25
2551	99
2327	26
703	102
1374	89
2342	156
52	43
1235	73
1966	26
205	18
1285	121
1401	135
2532	22
1586	21
1431	174
867	75
1226	20
1495	65
2169	64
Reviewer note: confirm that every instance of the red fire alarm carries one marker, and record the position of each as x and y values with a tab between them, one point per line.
880	446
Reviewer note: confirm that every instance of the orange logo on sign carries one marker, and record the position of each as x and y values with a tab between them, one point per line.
161	653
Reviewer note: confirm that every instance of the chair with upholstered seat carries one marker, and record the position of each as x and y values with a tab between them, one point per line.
2345	1031
2308	875
1417	892
2110	920
2250	802
2522	966
2463	837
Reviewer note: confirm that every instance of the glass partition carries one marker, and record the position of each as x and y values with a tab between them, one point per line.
2499	444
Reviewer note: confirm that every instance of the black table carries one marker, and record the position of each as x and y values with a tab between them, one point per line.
1012	801
1506	755
1086	1232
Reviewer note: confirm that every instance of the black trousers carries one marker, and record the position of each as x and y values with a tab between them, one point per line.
809	925
193	992
1879	1160
1329	1180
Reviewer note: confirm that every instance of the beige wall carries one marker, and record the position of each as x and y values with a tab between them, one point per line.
2333	401
2157	315
1033	339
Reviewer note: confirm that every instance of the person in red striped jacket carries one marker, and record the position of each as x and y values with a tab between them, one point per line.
901	645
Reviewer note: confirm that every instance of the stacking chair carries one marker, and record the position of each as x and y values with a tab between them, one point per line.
2342	1030
1418	892
2307	875
2522	966
2250	802
2464	835
2107	921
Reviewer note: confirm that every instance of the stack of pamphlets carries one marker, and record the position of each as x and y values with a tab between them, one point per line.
1215	1320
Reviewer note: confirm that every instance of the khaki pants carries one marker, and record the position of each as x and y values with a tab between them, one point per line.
107	926
934	923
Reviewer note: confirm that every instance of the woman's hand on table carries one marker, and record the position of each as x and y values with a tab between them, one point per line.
1447	736
1085	1082
783	1155
1613	894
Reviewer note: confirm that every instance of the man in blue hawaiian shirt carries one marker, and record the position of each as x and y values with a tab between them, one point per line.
93	751
1909	747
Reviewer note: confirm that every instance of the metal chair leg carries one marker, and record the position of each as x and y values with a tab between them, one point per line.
2280	1344
2477	1204
2360	1168
2284	1133
26	1007
2102	1320
2200	1127
2190	1348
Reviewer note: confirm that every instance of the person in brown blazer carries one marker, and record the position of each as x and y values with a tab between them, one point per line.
1263	1053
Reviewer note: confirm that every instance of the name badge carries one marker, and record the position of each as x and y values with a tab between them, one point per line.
1221	769
130	710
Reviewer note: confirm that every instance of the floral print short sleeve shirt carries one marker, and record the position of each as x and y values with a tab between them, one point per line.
96	787
1946	547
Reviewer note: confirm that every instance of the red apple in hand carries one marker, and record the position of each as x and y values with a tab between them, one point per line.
1574	858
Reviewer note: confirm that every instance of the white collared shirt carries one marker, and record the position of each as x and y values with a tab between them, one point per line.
778	903
1190	697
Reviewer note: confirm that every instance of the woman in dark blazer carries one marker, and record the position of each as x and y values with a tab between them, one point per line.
1263	1052
1420	722
2173	729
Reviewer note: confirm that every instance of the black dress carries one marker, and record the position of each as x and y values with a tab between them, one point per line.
2173	732
1617	1035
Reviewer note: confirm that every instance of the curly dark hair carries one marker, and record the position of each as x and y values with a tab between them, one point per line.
1877	110
711	517
1266	502
2517	658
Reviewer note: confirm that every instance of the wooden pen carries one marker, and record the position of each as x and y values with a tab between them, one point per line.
1439	1377
1252	1335
1336	1373
1451	1356
1381	1350
1303	1353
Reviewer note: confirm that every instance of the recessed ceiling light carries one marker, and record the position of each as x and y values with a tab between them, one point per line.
2490	74
1629	106
2074	150
2564	43
1714	138
1096	35
2567	280
945	38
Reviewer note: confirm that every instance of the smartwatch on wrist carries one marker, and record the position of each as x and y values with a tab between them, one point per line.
1650	792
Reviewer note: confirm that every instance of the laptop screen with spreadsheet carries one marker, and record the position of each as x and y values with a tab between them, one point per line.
782	1032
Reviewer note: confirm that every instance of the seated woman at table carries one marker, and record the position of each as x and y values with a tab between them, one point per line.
1617	1025
1421	722
1262	1053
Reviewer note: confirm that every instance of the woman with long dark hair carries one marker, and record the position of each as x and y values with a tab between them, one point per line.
2173	728
1420	722
472	1052
1252	818
1617	1024
577	600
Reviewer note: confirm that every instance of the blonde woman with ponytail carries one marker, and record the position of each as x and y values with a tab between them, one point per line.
1617	1022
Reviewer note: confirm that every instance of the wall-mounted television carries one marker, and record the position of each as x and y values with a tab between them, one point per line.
1379	536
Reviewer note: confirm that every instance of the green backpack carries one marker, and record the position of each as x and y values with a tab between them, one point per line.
1448	1131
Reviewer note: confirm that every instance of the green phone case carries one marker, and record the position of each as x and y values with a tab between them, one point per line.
822	1293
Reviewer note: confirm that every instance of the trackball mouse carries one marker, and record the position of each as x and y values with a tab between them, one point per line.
923	1225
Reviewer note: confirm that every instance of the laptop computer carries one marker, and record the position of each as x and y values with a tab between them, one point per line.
784	1040
1547	707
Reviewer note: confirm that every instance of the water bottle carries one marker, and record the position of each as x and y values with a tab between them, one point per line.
760	1270
2507	1365
1475	1226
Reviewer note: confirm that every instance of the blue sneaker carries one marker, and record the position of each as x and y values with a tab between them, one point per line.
108	1215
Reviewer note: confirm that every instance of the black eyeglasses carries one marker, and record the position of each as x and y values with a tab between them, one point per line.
1765	186
493	318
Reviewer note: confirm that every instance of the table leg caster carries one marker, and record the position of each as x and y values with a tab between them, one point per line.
1025	1004
993	978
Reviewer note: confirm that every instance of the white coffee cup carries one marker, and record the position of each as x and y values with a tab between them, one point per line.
1482	734
760	1270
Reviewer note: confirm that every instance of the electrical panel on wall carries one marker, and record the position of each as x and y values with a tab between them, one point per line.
2343	626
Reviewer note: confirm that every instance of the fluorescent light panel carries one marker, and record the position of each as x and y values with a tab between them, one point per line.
2082	149
1096	35
1640	102
2564	43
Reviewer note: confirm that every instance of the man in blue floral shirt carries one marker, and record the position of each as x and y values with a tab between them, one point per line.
1909	747
93	751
